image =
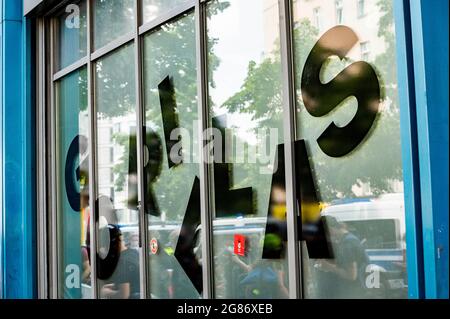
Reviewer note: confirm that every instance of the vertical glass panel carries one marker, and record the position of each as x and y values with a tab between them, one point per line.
152	9
73	211
71	34
112	19
349	146
250	255
118	234
172	171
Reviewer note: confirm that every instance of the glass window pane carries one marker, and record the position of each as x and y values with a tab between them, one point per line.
349	134
118	234
152	9
72	34
73	212
250	255
112	19
172	172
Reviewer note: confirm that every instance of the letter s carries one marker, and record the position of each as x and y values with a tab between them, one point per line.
358	79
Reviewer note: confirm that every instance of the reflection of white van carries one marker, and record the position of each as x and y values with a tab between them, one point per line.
381	220
379	223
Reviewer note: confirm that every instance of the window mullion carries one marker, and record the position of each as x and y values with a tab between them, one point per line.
205	168
140	125
289	119
92	153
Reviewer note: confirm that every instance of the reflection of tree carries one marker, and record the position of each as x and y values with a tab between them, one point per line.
376	164
115	98
168	51
112	18
120	169
171	52
115	87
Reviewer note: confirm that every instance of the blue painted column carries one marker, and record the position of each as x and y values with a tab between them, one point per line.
17	197
429	27
1	151
408	124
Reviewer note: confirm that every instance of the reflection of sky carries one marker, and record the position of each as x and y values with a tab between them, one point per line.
239	30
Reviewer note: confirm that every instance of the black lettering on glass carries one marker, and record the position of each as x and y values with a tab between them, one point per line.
170	118
109	238
229	202
152	170
358	79
275	235
184	251
73	172
311	225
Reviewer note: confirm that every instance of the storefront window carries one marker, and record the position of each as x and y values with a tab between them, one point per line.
250	255
73	212
72	35
112	19
347	173
118	235
172	171
349	134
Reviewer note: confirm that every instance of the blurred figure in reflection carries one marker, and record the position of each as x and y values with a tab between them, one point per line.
169	278
86	275
85	235
264	281
344	276
257	278
124	282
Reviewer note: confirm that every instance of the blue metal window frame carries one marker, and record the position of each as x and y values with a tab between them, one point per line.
17	197
422	59
429	27
411	177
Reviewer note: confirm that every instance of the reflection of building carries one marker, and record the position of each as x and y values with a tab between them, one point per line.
110	156
363	16
271	25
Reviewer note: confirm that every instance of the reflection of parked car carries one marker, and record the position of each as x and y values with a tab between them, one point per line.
379	223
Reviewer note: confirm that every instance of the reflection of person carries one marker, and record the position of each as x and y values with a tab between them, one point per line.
170	280
85	235
124	283
86	275
342	277
264	282
259	279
